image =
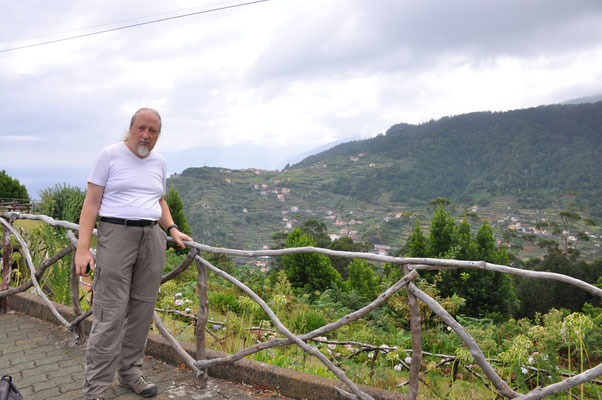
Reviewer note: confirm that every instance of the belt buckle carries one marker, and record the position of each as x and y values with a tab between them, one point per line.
125	222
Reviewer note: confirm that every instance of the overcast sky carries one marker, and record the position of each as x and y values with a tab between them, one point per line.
255	85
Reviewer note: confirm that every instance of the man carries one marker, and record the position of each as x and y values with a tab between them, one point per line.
126	188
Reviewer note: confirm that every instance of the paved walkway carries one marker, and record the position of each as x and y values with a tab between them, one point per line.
46	364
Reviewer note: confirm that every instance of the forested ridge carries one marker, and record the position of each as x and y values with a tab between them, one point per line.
515	166
535	154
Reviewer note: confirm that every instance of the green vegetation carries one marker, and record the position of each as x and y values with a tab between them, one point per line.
306	293
478	156
10	188
176	209
63	202
529	352
519	188
524	166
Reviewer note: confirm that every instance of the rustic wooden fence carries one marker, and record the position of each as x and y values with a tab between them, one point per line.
409	265
15	204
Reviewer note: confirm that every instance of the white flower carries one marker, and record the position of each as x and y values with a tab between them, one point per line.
408	360
524	370
397	367
187	309
371	355
332	346
178	294
179	302
449	328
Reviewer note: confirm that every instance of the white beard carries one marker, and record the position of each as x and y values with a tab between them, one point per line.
143	150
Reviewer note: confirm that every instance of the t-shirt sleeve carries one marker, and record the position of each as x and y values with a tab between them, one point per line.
100	169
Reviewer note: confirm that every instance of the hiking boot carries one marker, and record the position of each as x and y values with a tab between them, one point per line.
141	386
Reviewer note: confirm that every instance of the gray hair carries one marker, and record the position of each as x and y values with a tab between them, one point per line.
127	133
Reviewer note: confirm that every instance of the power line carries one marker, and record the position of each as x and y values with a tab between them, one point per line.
107	24
131	26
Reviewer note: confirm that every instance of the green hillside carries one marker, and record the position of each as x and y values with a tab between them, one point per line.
533	155
511	167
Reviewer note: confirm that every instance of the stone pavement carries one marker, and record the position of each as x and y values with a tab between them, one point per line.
45	363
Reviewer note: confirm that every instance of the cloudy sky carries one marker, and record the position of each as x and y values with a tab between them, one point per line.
255	85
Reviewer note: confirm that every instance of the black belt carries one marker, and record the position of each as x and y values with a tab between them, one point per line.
128	222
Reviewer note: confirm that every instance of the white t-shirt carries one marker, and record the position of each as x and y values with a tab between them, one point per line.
133	185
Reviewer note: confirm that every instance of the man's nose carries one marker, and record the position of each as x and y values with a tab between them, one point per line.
146	134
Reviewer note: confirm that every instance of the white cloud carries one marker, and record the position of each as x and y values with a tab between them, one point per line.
288	75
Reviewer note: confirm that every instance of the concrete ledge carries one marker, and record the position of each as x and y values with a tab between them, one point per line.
288	382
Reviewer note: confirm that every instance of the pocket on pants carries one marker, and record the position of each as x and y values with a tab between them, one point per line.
105	337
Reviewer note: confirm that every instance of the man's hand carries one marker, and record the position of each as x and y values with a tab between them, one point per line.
179	236
83	258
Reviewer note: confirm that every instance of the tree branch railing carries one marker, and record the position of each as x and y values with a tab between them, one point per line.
200	365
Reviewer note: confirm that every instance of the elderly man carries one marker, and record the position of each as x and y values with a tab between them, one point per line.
126	188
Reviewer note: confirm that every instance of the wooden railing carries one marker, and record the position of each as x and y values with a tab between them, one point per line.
13	204
409	265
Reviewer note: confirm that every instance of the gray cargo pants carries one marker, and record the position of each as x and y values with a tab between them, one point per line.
129	266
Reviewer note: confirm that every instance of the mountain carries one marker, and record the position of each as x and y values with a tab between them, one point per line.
532	154
505	164
300	157
588	99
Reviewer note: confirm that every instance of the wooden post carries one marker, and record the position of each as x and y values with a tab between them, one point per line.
201	322
416	341
77	309
7	256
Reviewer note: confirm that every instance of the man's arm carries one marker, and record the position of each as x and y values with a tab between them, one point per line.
87	220
166	221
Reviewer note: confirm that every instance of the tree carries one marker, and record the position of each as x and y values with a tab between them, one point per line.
362	279
63	202
317	230
440	202
11	188
441	237
486	293
541	295
310	271
176	208
568	218
465	248
345	243
417	244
